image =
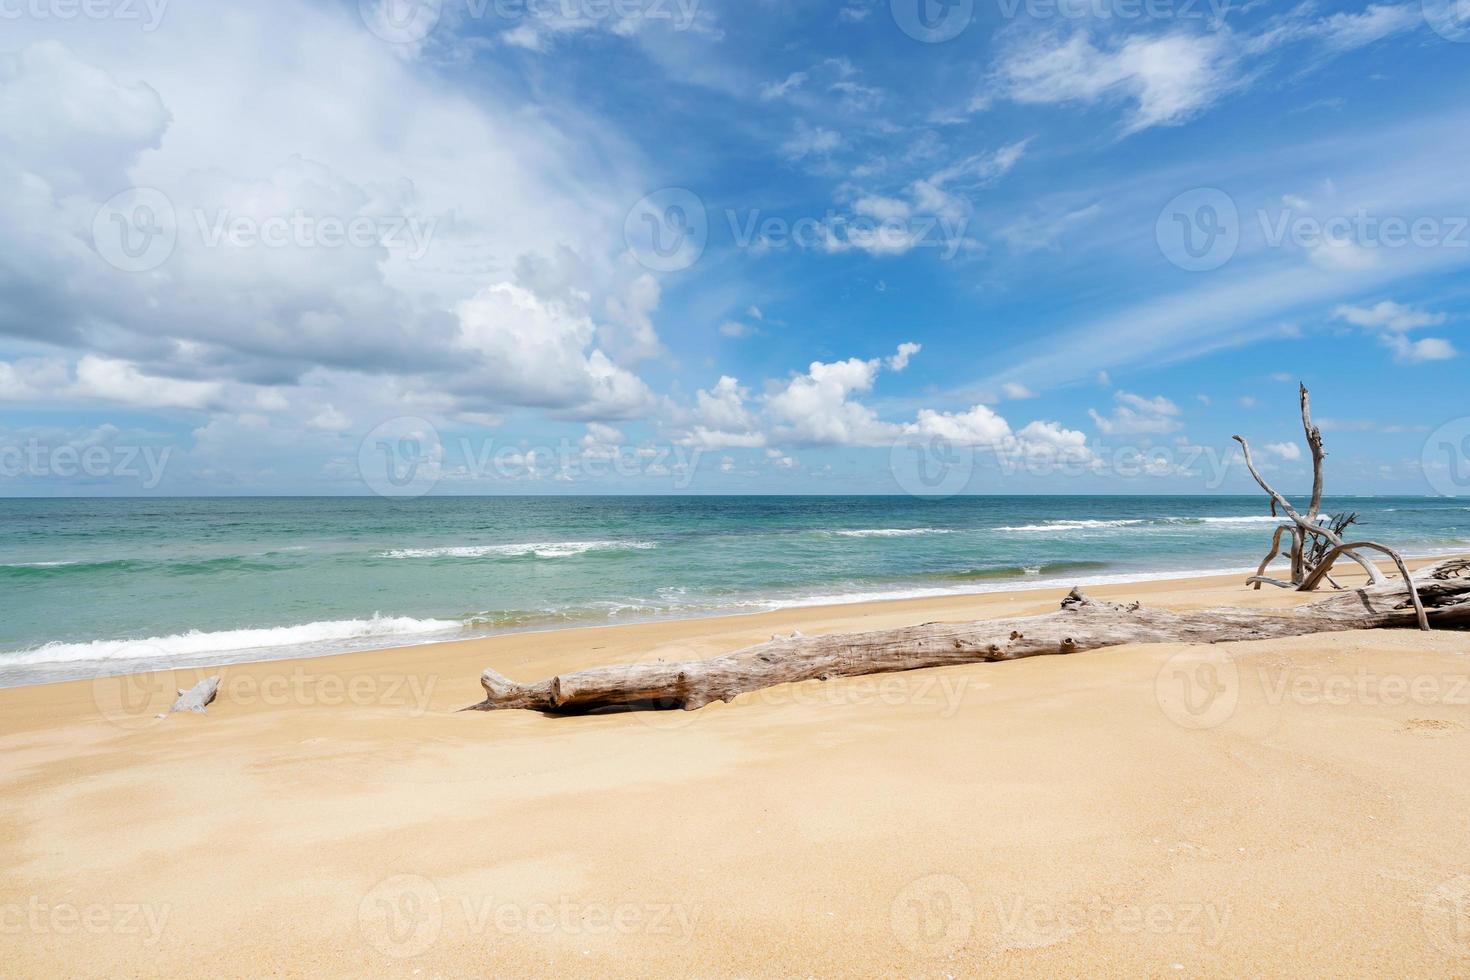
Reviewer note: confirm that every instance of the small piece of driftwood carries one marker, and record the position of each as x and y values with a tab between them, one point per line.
198	697
1081	624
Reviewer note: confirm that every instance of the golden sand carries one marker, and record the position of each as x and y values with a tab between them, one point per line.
1274	808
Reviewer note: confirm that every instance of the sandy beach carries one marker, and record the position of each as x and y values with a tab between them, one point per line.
1271	808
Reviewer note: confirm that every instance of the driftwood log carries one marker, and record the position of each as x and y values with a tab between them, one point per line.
198	697
1316	541
1081	624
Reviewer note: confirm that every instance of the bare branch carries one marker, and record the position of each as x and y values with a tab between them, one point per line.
1310	527
1314	441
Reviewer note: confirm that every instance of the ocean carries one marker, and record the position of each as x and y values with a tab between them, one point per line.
102	586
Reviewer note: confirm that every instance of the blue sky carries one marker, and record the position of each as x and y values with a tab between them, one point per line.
481	246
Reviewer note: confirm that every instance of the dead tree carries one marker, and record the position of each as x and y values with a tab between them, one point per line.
1081	624
1317	542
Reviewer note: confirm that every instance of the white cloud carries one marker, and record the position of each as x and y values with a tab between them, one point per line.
815	408
780	460
809	141
1419	351
1016	391
1345	31
781	89
979	426
1393	321
721	419
529	352
330	420
1388	315
900	359
1166	79
1283	450
72	121
504	196
1136	415
632	336
120	381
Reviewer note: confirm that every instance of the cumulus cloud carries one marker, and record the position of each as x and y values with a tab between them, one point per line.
1391	322
721	419
1136	415
534	353
1283	450
96	378
456	195
900	359
817	408
823	407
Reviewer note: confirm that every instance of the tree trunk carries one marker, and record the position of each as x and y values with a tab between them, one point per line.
1081	624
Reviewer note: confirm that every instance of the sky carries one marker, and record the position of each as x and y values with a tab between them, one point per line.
703	246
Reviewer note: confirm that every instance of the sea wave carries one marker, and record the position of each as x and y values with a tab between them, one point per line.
1092	525
1042	580
546	549
891	532
168	566
1070	525
1019	571
197	642
1248	519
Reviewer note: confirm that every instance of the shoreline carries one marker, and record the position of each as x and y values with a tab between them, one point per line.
1061	814
11	673
757	625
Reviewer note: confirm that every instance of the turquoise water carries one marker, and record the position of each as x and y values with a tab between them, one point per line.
90	585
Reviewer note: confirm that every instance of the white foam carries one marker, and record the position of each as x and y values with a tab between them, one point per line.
892	532
1085	525
1070	525
1251	519
1030	583
548	549
196	642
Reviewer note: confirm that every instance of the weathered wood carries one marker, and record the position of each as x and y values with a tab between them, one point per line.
1314	443
1081	624
1316	542
1307	527
198	697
